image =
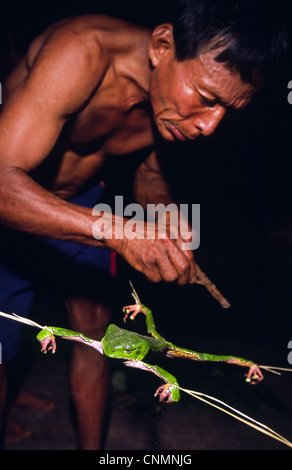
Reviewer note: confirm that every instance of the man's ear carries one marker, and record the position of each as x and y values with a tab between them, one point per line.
161	42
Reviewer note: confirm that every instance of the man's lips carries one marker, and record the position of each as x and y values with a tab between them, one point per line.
176	132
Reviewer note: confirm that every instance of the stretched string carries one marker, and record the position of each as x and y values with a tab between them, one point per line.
26	321
275	369
236	414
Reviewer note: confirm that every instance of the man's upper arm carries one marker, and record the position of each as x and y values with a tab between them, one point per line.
63	77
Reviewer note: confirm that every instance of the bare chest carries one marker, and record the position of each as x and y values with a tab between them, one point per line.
116	121
111	124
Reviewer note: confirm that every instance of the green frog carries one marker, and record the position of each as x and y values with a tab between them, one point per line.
133	348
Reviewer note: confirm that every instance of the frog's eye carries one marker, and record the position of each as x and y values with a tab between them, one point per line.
129	351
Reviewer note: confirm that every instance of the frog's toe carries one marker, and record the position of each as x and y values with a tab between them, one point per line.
164	393
254	375
132	311
48	344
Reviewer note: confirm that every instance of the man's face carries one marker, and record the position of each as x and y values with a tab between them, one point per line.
190	98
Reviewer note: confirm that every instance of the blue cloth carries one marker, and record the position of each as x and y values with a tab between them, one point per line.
29	265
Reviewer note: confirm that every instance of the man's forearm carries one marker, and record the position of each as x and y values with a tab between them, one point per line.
28	207
153	192
150	187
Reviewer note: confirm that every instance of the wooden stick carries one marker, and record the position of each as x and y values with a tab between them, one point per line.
205	281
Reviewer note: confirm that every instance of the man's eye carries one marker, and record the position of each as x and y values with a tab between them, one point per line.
207	102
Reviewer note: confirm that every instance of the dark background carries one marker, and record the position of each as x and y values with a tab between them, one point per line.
241	176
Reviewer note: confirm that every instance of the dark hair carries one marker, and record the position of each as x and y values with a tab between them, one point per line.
254	34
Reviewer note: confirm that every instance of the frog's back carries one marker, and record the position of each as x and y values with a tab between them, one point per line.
116	335
118	340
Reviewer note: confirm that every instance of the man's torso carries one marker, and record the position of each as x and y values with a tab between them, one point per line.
116	120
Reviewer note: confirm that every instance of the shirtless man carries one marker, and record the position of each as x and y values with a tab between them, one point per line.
80	95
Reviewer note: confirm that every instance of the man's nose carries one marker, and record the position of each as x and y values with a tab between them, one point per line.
207	122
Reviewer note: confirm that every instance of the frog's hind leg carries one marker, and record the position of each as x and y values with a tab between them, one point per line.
254	374
167	393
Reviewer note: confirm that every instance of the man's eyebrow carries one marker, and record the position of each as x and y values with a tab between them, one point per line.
236	104
221	100
214	96
225	103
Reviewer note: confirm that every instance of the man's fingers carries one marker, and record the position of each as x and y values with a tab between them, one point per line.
175	265
153	274
160	260
184	263
158	266
192	267
167	270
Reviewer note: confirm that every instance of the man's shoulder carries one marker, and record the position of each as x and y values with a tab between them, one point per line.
94	38
101	30
76	41
79	50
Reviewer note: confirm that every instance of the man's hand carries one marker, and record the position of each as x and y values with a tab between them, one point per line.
159	260
156	255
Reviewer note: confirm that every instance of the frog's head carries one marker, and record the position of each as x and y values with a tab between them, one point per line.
124	344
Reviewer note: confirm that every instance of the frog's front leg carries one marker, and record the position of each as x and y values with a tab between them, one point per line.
48	342
131	311
168	392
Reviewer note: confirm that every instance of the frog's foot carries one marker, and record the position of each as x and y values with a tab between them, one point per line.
48	344
168	393
164	393
254	375
132	311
